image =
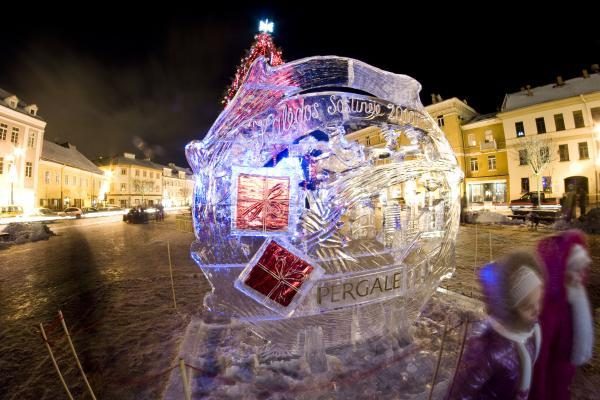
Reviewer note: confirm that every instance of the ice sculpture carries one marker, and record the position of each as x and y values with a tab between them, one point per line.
326	201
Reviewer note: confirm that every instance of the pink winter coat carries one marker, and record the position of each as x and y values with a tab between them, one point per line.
553	371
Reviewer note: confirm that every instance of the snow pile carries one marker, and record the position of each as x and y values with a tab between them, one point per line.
227	362
22	232
589	223
488	217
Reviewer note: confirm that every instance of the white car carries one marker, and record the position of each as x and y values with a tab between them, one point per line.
73	212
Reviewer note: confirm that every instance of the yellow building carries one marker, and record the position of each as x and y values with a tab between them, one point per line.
480	147
68	179
21	137
132	181
486	165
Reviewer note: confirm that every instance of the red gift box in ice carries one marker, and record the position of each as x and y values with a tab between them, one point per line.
263	203
278	274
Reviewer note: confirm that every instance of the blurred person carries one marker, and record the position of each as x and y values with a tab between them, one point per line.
498	359
566	318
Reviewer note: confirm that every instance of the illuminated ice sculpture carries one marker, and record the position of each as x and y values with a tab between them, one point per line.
326	203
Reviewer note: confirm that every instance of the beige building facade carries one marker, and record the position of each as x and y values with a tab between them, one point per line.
21	138
68	179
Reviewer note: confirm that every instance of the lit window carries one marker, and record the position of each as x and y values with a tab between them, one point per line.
492	163
28	169
15	135
31	140
547	184
474	165
3	130
123	171
47	177
472	141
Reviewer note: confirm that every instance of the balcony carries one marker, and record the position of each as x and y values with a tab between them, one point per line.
489	146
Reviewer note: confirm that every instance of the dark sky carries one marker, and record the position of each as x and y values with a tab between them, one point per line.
121	77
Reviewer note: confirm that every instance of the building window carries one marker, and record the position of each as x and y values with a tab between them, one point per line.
74	181
520	129
47	177
440	120
123	171
541	125
57	179
474	165
123	187
522	157
31	140
563	151
137	172
578	118
3	130
15	135
583	151
66	179
123	203
559	121
471	139
547	184
144	174
595	114
489	136
492	163
28	169
524	185
368	140
1	165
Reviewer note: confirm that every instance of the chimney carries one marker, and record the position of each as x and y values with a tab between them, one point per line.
585	73
559	81
129	155
595	68
529	92
465	101
439	97
433	99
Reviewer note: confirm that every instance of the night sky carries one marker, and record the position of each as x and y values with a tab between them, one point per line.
123	79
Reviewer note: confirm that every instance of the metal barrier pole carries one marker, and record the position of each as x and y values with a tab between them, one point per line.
54	361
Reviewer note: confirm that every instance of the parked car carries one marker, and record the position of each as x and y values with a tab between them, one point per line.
89	210
528	205
73	212
136	215
10	211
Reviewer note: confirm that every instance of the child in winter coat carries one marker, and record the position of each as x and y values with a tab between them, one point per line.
498	359
566	319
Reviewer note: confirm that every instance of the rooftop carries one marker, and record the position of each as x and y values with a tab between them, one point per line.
67	154
554	91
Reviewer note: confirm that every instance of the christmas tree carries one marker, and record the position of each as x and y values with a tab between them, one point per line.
263	46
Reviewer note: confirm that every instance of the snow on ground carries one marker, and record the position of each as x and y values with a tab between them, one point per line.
22	232
112	282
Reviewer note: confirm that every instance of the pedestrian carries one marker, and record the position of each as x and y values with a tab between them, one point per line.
566	318
570	202
582	200
499	357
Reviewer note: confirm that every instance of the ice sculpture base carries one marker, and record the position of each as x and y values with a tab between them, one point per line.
232	362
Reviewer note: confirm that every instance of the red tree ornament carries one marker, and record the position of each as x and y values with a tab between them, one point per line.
263	46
